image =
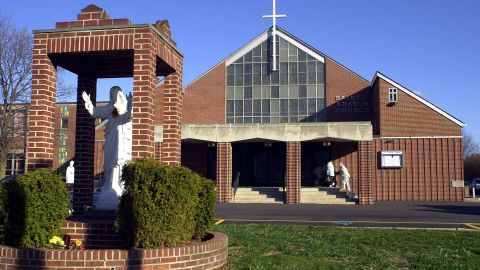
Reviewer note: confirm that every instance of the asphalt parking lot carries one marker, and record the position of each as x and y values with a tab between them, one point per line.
401	215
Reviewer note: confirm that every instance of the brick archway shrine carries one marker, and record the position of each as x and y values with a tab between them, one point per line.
95	46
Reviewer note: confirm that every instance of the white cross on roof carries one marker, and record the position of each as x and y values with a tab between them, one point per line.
274	17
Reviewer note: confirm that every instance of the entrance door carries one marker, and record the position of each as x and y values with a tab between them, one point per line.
259	164
315	157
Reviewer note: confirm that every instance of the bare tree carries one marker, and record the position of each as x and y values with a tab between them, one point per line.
16	53
15	78
470	146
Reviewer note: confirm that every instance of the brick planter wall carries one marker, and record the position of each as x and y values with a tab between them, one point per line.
210	254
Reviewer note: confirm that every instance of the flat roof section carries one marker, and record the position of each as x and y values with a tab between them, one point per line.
329	131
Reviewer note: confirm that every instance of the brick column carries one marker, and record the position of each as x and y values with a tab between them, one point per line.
224	172
42	107
84	146
144	77
365	167
172	117
293	172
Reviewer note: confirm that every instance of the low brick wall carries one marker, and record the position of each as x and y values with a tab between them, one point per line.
210	254
94	233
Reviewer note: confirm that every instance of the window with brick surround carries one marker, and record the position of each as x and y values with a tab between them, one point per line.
392	95
294	93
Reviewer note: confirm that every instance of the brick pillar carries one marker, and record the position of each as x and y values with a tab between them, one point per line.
365	167
172	117
293	172
144	77
224	172
42	107
84	146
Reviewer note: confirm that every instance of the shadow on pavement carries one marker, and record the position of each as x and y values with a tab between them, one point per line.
453	209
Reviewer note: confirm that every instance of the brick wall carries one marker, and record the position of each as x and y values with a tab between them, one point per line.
429	165
365	177
195	157
293	172
346	152
141	45
343	82
204	99
224	172
409	117
210	254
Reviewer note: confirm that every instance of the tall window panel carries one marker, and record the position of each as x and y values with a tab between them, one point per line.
294	93
63	139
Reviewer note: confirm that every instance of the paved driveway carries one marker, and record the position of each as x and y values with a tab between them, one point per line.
392	214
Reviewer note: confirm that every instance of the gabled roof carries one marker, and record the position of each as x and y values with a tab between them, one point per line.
262	37
417	97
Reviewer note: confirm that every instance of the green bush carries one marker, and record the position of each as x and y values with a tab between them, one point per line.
37	205
160	205
3	213
206	204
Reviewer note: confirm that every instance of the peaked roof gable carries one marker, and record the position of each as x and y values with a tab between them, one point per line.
417	97
264	36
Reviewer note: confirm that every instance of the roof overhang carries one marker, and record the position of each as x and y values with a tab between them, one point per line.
329	131
417	97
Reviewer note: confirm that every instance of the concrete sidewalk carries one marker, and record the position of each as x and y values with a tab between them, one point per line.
391	214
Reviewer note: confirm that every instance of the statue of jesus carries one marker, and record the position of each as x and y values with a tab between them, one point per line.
118	143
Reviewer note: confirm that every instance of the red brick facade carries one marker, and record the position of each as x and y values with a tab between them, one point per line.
204	100
348	95
429	166
409	117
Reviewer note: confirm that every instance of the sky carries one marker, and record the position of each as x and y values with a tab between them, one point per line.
432	47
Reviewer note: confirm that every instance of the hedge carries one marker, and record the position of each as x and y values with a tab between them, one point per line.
37	204
3	213
163	205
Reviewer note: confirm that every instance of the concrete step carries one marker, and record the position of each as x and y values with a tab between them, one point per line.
258	195
322	195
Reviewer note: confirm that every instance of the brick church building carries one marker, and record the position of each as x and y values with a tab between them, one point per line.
276	128
271	129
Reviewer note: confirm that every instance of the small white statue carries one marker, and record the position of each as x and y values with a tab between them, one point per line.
118	143
70	175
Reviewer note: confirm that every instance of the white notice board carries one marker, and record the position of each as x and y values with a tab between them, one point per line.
391	159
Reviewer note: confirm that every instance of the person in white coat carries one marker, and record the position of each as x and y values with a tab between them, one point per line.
345	177
331	174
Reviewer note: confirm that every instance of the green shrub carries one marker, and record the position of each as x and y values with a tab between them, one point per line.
159	206
205	210
3	213
37	205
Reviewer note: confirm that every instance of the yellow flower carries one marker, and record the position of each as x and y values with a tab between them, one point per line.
57	241
77	242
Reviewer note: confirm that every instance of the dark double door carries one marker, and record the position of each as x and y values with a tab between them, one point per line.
315	157
259	164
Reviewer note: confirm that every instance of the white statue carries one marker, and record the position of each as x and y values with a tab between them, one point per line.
118	143
70	175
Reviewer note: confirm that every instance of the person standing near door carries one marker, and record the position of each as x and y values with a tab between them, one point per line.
331	174
345	177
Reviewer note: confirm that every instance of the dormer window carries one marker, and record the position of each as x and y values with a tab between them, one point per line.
392	95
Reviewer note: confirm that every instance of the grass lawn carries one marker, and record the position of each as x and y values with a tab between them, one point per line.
302	247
